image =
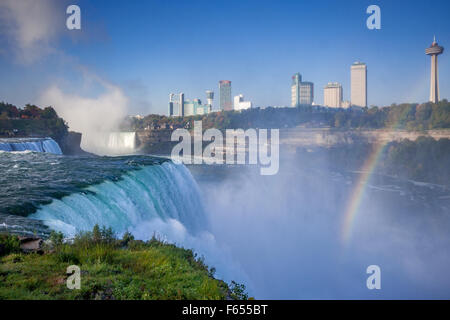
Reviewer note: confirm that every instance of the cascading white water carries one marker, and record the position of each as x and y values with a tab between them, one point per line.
122	140
164	197
47	145
158	199
109	143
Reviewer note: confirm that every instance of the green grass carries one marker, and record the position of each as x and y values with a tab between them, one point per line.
111	269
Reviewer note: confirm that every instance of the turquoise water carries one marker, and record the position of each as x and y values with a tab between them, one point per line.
71	194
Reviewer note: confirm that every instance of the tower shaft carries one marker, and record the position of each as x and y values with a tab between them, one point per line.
433	51
434	83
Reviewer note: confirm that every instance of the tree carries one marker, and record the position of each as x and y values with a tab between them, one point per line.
96	234
32	111
49	113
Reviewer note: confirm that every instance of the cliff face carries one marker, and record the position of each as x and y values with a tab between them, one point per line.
325	137
158	141
70	144
155	141
147	137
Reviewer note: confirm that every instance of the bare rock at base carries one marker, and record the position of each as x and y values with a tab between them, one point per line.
31	244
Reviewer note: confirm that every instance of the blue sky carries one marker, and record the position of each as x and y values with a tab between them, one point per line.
151	48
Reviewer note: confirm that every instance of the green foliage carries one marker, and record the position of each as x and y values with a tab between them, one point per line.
425	159
238	291
31	121
127	238
98	235
9	244
56	238
404	116
112	269
48	113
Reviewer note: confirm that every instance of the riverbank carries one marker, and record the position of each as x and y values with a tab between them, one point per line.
111	269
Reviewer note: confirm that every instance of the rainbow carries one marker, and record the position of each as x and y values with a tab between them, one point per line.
357	195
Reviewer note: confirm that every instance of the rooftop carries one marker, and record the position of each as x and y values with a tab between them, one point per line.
333	85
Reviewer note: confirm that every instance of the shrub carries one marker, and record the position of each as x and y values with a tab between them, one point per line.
127	238
9	244
56	238
238	291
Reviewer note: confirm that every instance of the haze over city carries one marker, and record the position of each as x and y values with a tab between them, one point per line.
189	46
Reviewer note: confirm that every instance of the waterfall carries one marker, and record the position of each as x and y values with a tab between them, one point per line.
122	141
36	145
109	143
157	198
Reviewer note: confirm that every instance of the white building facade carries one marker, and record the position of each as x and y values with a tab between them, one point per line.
332	95
241	104
359	84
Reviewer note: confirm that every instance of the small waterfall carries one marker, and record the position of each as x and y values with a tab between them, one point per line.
36	145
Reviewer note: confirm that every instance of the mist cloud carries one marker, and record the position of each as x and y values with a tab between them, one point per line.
286	235
31	27
92	116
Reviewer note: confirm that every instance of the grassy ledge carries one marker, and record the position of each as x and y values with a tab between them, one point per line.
111	268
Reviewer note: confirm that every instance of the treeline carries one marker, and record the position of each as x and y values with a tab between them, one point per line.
251	118
30	121
404	116
424	159
409	116
9	111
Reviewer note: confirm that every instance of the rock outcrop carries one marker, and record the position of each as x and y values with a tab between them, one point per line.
31	245
71	144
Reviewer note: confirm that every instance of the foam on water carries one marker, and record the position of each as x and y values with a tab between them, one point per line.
157	199
47	145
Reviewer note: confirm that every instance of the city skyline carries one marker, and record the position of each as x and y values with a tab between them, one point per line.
140	57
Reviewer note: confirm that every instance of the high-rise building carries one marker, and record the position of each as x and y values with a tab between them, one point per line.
332	95
295	89
240	104
195	107
306	93
209	97
301	92
225	102
186	107
434	50
359	84
170	113
176	101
